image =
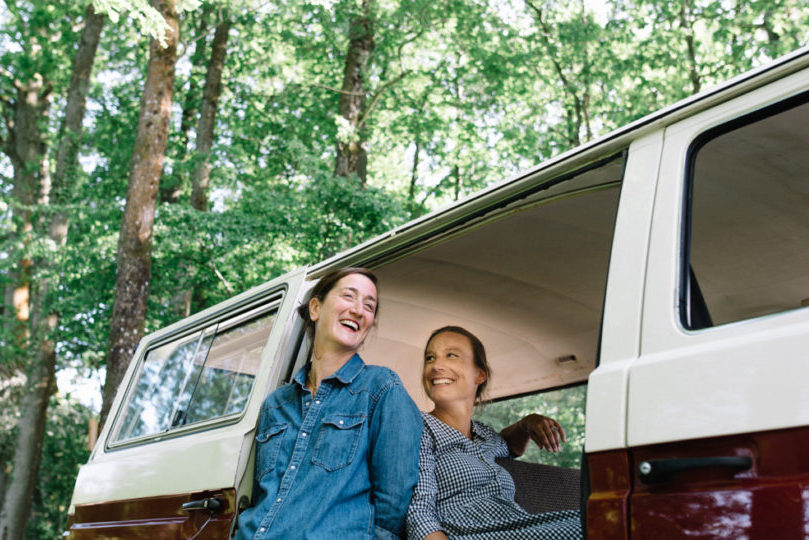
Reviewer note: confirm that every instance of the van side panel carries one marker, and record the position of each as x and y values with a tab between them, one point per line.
623	302
769	500
155	517
608	504
718	415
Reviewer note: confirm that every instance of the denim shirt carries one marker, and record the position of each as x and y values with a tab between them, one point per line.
339	464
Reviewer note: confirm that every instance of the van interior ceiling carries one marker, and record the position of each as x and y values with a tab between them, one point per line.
528	279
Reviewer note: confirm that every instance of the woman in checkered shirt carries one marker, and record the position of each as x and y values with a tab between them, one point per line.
462	493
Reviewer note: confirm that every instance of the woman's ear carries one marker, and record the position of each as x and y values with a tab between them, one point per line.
314	309
481	376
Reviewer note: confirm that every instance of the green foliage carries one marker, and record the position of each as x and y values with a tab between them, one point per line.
63	451
459	94
566	406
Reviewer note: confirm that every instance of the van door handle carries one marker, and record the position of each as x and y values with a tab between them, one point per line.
660	470
211	504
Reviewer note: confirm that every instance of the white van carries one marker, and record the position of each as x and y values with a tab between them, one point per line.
664	266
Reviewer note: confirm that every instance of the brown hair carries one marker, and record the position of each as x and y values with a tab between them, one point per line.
326	284
478	354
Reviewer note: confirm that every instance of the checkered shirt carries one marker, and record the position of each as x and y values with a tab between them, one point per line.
464	493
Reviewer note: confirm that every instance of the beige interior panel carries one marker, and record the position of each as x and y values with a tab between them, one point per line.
530	285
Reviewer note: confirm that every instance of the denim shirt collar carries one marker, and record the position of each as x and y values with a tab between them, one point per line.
345	374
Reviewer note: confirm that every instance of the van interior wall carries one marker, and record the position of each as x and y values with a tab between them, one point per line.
530	285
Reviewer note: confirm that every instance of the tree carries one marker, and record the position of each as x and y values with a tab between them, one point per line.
207	117
34	184
352	157
135	242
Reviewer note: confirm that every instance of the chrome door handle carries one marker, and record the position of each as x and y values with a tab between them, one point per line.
660	470
211	504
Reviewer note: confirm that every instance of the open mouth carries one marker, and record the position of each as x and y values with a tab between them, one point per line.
351	325
441	381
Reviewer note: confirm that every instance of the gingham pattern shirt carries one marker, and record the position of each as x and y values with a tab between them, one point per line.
464	493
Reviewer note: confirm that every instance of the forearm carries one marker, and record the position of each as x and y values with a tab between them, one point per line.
546	432
437	535
516	437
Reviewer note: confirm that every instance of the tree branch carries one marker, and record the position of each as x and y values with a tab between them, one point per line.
378	94
337	90
221	278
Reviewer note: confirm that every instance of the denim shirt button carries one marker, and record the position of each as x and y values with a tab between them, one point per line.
303	434
292	467
317	402
261	530
306	404
278	499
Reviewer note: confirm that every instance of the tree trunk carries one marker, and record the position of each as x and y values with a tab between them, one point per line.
686	23
171	185
207	117
41	367
26	149
185	297
135	240
352	158
40	385
579	112
414	174
70	133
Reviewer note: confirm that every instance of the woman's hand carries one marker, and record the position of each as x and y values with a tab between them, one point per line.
544	431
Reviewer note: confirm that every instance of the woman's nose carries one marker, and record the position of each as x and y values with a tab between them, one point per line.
355	307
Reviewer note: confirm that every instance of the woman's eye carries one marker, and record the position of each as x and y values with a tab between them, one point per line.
428	359
452	355
369	307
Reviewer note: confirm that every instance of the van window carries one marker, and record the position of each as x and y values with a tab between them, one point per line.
565	405
203	376
748	240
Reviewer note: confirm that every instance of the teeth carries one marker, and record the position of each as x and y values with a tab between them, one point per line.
351	324
441	381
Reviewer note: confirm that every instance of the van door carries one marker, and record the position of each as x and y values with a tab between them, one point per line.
171	461
718	411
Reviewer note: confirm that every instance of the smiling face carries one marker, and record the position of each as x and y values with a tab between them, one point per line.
344	317
450	373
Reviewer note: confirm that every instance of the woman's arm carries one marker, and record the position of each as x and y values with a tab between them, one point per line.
546	432
395	432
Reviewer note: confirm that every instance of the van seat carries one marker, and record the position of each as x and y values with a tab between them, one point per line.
543	488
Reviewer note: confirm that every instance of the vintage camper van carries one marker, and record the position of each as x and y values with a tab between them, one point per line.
663	267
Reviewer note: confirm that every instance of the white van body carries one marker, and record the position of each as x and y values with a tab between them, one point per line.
665	266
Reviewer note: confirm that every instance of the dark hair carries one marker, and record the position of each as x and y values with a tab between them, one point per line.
326	284
478	354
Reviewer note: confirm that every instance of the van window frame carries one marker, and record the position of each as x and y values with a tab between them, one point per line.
689	295
263	304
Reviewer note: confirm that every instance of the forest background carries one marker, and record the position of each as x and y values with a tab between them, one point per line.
159	158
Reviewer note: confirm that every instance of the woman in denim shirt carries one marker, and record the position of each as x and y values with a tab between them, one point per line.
337	448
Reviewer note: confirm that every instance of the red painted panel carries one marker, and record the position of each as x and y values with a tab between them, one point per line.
770	500
154	518
607	510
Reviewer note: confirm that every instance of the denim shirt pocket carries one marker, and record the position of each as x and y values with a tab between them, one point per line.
268	442
338	440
